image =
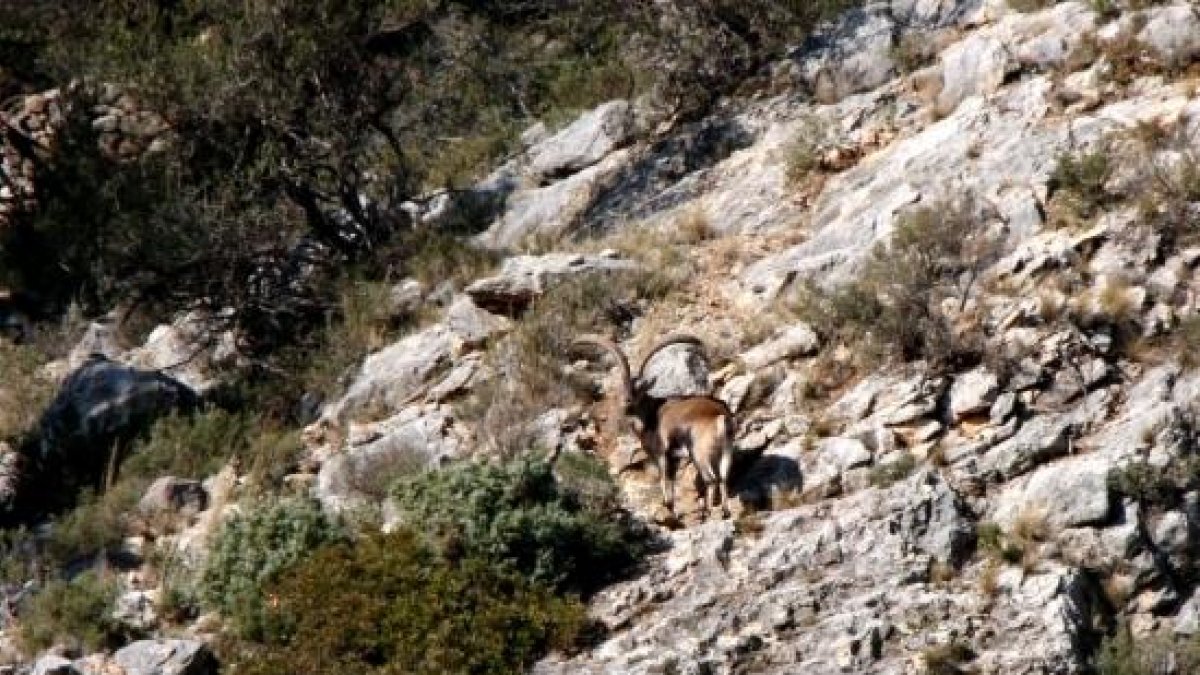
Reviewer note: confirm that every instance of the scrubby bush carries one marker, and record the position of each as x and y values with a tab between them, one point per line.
518	517
1078	186
76	613
1123	654
24	390
392	604
896	308
97	525
252	550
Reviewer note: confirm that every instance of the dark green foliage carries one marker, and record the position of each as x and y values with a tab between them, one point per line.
1079	182
253	550
392	605
1153	485
75	612
518	517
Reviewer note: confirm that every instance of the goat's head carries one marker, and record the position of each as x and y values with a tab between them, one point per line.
636	400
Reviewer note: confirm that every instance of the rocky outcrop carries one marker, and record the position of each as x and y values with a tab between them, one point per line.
166	657
523	278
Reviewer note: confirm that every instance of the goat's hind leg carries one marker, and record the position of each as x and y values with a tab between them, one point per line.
723	482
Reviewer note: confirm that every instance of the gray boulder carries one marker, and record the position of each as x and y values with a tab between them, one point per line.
541	214
936	519
413	440
584	142
523	278
170	494
53	665
393	376
1072	493
167	657
678	370
855	55
973	392
795	341
1173	33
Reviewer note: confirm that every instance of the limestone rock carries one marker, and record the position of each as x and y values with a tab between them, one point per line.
1173	32
171	494
523	278
415	439
53	665
795	341
1071	493
397	374
973	392
855	56
678	370
584	142
550	212
472	325
166	657
976	65
138	610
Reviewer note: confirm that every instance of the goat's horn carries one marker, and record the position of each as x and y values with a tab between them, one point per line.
591	339
680	339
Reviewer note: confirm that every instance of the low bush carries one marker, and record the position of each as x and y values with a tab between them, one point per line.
896	309
518	517
1078	186
1154	485
885	475
253	550
96	526
25	392
392	604
75	613
1123	654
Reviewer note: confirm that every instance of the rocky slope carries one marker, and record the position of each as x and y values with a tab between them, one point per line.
912	519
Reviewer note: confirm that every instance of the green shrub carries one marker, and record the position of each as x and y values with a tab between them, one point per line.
1123	654
895	308
391	605
885	475
95	526
189	446
25	391
252	550
76	613
1154	485
518	517
1078	186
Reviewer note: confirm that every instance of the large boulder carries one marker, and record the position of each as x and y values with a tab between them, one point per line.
417	438
795	341
854	55
584	142
167	657
1070	493
541	214
678	370
523	278
101	404
1173	33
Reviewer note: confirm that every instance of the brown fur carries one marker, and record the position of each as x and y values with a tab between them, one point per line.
700	428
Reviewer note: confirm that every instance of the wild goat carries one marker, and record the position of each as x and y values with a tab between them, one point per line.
699	427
